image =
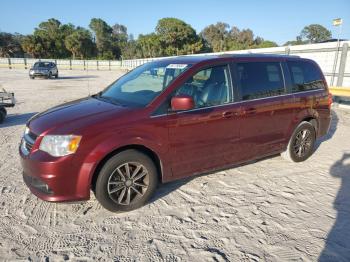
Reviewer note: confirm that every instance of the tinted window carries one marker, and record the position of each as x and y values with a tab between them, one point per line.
305	76
208	87
260	79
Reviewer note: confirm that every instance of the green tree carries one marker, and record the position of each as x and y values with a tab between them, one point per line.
120	33
220	37
216	36
107	47
241	39
131	50
80	43
266	44
101	30
52	35
34	46
315	33
150	45
298	41
10	45
175	35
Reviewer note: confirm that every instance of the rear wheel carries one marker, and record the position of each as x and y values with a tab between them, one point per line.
3	114
126	182
49	75
301	144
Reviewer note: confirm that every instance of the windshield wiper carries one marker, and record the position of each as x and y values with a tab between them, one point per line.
97	94
107	99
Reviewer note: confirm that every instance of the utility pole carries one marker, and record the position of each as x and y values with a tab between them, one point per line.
336	22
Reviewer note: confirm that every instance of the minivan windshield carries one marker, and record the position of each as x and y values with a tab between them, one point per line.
140	86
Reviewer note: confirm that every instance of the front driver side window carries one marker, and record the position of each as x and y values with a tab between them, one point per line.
208	87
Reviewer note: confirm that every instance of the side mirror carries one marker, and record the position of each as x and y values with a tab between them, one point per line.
182	102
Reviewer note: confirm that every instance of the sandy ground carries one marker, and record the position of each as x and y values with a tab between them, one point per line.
270	210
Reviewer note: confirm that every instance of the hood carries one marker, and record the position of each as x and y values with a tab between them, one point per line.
73	115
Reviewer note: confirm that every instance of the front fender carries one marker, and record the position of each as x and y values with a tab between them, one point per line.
96	154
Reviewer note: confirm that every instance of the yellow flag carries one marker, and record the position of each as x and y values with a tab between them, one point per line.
337	21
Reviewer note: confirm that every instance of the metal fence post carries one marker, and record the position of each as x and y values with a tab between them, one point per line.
97	65
287	50
70	64
84	64
25	63
342	64
9	59
109	65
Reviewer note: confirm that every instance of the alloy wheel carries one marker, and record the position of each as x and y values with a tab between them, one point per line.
127	183
302	143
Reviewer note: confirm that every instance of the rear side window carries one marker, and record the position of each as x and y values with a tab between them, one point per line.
305	76
260	79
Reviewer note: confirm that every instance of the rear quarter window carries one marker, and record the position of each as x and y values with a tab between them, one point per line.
305	76
260	79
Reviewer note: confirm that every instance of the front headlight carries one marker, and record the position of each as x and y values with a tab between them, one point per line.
60	145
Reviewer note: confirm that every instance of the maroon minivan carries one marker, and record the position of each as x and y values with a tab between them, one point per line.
174	118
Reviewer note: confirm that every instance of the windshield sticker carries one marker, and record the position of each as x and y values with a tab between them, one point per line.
177	66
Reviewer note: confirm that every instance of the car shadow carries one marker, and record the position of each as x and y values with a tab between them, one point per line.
331	131
74	77
16	119
337	246
169	187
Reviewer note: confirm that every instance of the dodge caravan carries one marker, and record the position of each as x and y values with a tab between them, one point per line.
174	118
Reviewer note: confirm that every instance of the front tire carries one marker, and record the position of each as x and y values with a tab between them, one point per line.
301	144
126	182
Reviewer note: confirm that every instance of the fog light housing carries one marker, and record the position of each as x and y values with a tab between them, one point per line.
37	184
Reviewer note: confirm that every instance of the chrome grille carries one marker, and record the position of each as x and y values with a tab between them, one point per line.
28	142
28	146
32	136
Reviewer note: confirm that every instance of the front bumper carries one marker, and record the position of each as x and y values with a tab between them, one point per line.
39	74
54	179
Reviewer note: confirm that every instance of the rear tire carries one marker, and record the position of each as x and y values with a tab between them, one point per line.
50	75
126	182
56	76
32	77
3	114
301	144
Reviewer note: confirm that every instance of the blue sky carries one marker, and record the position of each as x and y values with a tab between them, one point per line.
274	20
